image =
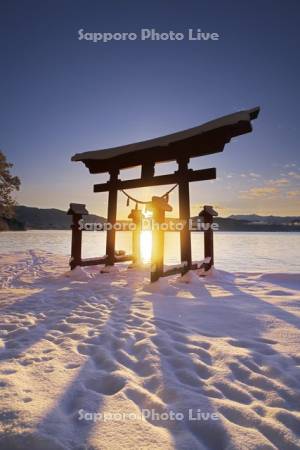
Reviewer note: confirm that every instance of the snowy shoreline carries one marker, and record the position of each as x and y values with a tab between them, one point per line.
112	343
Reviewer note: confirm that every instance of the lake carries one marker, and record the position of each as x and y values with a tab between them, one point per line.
234	251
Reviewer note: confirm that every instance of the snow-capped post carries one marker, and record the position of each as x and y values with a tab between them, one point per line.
76	210
136	216
208	214
158	206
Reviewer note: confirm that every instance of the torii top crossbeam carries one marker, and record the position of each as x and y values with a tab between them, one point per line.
198	141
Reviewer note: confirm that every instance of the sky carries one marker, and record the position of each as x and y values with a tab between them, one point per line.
61	96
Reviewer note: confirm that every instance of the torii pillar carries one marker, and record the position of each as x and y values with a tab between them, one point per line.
112	217
158	206
184	211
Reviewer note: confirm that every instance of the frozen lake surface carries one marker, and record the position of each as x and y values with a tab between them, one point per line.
234	251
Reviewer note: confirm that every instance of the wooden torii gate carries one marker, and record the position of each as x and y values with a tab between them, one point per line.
202	140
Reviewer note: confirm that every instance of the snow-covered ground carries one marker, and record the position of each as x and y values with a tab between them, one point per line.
108	361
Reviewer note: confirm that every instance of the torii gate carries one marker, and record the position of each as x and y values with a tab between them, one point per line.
202	140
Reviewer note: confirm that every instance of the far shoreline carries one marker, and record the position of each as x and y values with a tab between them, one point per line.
128	231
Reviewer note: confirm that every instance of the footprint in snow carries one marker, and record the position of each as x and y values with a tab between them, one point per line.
186	376
48	350
8	371
234	393
72	365
107	385
266	341
258	346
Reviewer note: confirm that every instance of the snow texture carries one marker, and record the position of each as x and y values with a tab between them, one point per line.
226	344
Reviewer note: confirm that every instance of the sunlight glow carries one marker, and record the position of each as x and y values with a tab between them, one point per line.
146	246
147	214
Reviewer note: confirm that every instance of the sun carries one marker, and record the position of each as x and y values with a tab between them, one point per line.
146	246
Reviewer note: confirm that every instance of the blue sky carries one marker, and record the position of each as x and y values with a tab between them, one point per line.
60	96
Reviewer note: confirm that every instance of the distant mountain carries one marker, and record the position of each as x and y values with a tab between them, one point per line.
268	220
256	223
43	219
230	224
27	218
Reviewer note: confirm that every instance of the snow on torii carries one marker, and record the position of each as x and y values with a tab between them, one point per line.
202	140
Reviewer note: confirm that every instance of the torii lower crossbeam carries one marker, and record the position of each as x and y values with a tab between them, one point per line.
174	178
